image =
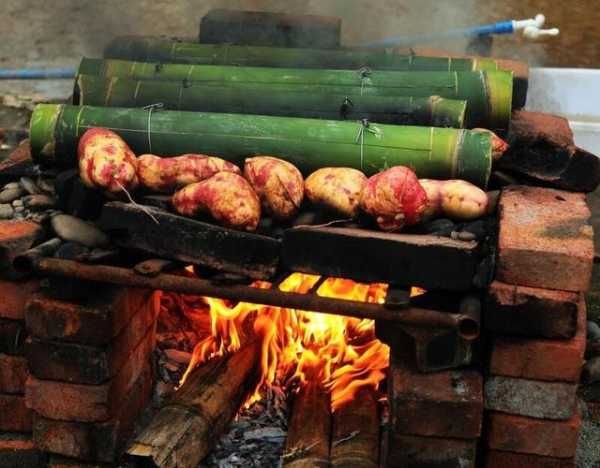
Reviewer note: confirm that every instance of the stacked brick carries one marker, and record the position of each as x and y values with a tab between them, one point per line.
16	445
90	370
537	319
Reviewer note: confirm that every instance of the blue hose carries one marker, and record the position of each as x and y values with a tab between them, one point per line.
37	73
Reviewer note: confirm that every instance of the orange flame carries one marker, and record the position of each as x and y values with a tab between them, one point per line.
343	350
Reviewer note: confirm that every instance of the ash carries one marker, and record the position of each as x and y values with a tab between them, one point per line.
256	438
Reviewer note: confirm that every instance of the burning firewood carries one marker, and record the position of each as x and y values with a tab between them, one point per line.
187	427
355	433
307	444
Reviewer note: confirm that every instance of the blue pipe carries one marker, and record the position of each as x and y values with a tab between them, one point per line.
504	27
37	73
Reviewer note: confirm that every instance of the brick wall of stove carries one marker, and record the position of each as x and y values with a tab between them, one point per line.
74	375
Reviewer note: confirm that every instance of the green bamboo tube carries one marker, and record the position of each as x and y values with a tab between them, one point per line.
157	49
489	94
441	153
116	91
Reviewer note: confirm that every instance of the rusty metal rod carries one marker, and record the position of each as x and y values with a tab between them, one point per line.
309	302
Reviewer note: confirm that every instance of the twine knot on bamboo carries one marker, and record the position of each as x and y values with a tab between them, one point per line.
150	108
365	126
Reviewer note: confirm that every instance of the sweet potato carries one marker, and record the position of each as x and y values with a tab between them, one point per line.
226	196
462	200
336	188
169	174
278	184
432	188
106	162
394	198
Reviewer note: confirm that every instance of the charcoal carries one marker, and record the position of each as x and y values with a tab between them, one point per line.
76	199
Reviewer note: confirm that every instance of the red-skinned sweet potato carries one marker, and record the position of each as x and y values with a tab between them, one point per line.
394	198
336	188
169	174
278	184
226	196
106	162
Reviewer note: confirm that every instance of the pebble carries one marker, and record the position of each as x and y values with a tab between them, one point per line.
71	251
19	209
440	227
46	186
39	218
593	331
12	185
463	236
29	186
18	202
70	228
38	202
6	211
8	195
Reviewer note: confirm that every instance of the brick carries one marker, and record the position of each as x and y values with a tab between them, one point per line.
441	404
535	436
426	452
545	239
88	403
497	459
525	311
76	363
101	442
94	321
14	415
15	295
549	400
18	451
540	359
12	336
13	374
15	238
17	165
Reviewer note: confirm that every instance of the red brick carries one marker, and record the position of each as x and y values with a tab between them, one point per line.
541	359
441	404
14	415
12	336
88	403
524	311
18	164
13	374
93	365
18	451
15	295
534	398
15	238
545	239
426	452
95	441
95	321
535	436
497	459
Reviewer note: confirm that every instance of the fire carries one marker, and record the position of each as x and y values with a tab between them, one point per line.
299	346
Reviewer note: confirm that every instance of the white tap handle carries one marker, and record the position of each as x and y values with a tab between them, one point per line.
531	32
536	22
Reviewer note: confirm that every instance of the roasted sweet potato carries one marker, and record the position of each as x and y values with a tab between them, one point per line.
278	184
169	174
433	190
226	196
462	200
106	162
336	188
394	198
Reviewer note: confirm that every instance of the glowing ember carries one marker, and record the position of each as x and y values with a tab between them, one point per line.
298	346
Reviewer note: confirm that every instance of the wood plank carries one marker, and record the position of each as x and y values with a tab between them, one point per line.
191	241
427	261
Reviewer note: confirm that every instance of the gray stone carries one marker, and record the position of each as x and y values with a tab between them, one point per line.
6	211
18	202
39	202
29	186
593	331
46	186
12	185
544	400
466	236
19	209
8	195
70	228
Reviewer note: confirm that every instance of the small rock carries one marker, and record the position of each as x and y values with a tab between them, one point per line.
70	228
18	202
46	186
439	227
39	202
6	211
465	236
8	195
593	331
11	186
71	251
29	186
180	357
19	209
39	218
265	433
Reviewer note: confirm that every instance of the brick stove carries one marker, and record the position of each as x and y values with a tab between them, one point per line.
76	373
